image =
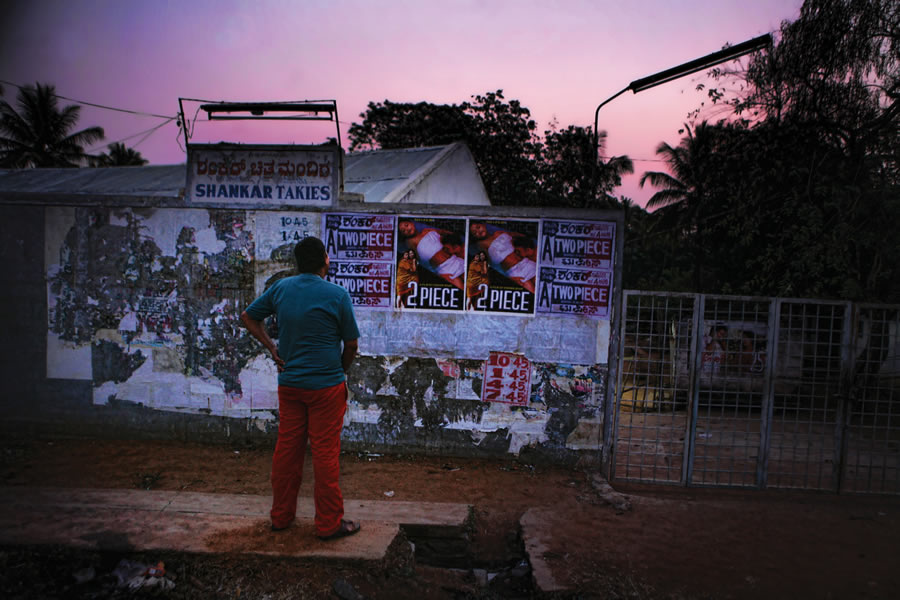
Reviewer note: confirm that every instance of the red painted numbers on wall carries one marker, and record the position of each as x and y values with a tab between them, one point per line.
507	379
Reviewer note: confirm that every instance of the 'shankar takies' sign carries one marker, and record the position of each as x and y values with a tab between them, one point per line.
273	175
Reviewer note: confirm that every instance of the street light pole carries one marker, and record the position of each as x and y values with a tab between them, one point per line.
699	64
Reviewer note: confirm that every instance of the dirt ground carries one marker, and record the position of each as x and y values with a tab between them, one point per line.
672	543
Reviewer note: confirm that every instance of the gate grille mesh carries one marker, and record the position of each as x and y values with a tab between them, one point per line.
803	448
729	405
873	435
651	418
757	392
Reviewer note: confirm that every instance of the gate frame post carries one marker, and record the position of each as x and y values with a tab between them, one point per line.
768	399
613	387
687	467
613	361
845	391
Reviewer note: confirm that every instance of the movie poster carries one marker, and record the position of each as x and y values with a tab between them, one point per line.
576	268
577	244
501	266
430	263
574	292
361	248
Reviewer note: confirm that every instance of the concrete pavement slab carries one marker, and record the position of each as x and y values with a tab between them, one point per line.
439	514
536	534
134	520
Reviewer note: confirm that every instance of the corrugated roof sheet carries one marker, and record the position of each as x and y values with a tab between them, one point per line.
154	180
376	174
380	173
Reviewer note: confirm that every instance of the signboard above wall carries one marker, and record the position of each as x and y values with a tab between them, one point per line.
263	175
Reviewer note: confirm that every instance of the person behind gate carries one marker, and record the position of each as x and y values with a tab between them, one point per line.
315	318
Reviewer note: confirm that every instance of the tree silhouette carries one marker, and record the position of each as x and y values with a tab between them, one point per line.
119	156
819	196
569	176
518	167
500	135
39	133
683	196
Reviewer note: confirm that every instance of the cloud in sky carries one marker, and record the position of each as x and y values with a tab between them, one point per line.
560	59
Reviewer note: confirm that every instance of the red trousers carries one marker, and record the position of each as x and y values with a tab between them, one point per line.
317	416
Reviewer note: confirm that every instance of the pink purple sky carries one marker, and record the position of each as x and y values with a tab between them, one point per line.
560	59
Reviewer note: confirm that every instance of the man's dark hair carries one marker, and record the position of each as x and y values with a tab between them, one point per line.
310	255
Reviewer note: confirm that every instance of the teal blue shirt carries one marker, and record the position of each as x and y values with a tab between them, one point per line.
314	317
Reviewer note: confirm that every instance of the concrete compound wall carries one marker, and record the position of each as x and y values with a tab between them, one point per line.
124	321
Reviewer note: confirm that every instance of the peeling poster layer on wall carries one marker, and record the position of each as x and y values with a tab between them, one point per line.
146	302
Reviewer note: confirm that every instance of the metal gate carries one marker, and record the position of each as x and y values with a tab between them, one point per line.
758	392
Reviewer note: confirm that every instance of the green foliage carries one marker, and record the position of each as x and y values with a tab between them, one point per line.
517	167
569	175
39	133
800	198
499	134
404	125
505	148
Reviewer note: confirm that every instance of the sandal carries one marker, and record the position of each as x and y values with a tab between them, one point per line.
283	527
347	528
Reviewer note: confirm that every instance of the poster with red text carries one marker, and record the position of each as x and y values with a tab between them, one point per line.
574	292
577	244
507	379
576	272
361	248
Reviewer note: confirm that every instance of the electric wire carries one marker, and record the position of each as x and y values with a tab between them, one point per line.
151	132
82	102
148	132
193	122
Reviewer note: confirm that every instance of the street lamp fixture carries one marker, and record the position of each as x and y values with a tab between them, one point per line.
299	111
699	64
305	110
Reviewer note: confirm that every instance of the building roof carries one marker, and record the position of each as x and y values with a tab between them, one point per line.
154	180
388	175
380	175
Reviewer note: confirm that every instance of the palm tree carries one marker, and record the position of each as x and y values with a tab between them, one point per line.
682	195
40	134
119	156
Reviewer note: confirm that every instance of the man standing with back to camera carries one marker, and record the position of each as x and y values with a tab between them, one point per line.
314	317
